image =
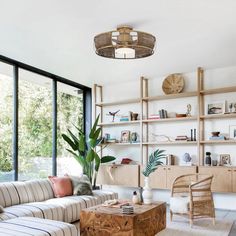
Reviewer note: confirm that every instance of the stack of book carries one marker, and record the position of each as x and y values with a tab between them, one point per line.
128	210
220	137
163	114
124	118
181	138
154	117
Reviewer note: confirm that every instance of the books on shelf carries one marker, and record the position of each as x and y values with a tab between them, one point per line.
182	138
163	114
154	117
124	118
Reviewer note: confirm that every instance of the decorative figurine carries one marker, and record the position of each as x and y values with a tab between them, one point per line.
113	114
234	107
189	108
208	159
186	157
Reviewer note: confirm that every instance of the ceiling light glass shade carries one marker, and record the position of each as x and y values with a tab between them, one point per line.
124	43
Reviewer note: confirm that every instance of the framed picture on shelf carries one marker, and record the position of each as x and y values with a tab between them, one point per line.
225	160
125	136
232	131
216	108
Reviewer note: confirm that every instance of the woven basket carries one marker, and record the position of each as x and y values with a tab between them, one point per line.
173	83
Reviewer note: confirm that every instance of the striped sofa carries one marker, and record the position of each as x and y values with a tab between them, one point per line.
35	198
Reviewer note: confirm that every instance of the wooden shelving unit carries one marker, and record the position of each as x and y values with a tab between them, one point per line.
121	102
120	123
171	143
144	123
224	116
170	96
170	119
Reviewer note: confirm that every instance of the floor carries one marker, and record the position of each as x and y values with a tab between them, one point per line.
222	214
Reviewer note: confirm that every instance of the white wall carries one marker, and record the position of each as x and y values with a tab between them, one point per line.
220	77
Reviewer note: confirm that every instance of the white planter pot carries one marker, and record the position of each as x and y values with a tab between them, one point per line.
147	192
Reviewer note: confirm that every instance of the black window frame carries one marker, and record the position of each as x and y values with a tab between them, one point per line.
87	107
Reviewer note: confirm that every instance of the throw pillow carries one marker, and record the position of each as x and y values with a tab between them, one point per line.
1	209
77	179
83	188
62	186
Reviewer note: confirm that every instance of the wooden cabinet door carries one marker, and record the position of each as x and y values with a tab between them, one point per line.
222	177
234	180
157	178
173	172
124	175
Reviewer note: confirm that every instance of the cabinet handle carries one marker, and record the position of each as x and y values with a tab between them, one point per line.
164	168
229	170
168	168
234	170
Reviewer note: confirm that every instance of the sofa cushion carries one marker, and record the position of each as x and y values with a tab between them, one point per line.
74	204
1	209
34	209
14	193
41	189
62	186
83	188
25	226
103	195
179	204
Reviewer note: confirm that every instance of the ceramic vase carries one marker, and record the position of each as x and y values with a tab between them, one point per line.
147	192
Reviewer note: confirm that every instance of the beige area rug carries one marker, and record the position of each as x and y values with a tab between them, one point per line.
201	227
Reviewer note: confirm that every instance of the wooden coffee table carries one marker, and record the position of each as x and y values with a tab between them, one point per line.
147	220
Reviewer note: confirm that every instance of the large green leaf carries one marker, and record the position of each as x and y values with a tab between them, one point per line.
105	159
69	141
97	161
76	140
91	135
82	144
90	156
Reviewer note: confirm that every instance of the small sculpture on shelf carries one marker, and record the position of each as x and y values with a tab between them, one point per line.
113	114
235	107
133	116
208	159
187	157
189	108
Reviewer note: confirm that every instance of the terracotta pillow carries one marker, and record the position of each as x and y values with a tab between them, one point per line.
62	186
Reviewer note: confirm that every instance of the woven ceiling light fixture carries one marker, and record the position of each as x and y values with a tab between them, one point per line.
124	43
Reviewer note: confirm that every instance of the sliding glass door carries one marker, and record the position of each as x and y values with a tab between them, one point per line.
35	125
36	108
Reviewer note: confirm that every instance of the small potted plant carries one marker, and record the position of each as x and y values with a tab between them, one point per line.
155	160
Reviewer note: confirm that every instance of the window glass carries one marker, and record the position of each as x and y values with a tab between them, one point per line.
6	122
35	125
69	116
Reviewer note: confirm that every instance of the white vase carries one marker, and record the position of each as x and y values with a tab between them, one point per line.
147	192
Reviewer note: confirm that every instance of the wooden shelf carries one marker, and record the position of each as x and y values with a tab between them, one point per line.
121	144
170	96
120	123
218	90
231	115
127	101
170	119
171	143
218	142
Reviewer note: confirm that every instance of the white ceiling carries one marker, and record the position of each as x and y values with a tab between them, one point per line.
57	36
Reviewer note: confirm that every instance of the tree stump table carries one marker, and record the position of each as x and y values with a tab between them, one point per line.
147	220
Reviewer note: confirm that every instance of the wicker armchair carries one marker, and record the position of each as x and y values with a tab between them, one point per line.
191	194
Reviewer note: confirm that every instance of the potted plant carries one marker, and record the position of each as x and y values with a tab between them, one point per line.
85	152
154	161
